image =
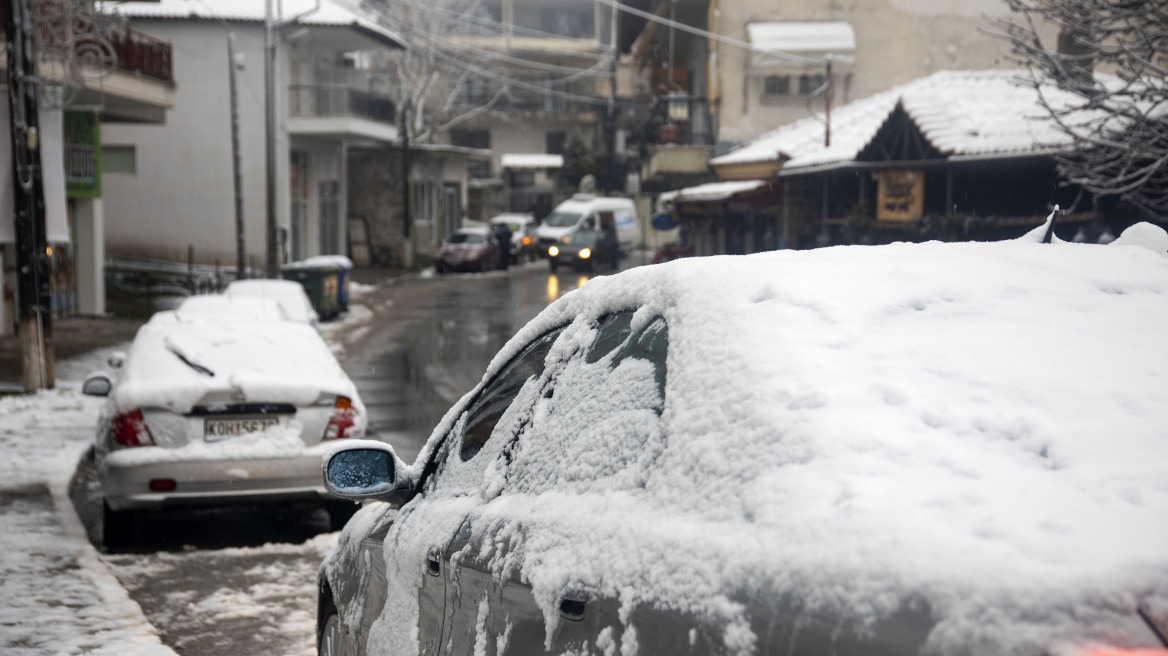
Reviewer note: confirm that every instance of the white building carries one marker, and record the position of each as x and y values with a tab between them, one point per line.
133	85
179	194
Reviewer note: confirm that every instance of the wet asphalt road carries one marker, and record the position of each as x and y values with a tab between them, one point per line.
435	341
243	580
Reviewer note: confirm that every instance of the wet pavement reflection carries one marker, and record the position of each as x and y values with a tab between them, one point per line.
437	339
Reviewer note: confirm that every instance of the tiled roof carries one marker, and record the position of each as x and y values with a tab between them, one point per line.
960	113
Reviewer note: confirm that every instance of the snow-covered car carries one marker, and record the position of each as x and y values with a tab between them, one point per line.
523	239
288	293
469	249
221	307
954	449
208	411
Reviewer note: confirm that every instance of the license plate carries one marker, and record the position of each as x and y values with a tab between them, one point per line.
221	429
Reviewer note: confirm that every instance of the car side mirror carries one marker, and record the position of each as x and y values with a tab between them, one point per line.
97	384
365	469
116	359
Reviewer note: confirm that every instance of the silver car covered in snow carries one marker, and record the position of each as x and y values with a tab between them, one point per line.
949	449
209	409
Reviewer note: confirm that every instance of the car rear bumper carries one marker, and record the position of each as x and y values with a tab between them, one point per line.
126	482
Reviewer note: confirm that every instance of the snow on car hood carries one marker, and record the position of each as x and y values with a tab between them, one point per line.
175	363
981	427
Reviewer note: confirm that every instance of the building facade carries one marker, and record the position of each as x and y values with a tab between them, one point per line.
178	201
129	82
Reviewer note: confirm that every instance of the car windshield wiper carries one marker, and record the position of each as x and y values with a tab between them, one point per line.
188	362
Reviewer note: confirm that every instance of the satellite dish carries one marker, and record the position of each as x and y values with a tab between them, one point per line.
588	184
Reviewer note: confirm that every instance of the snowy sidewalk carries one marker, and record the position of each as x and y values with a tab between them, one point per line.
56	596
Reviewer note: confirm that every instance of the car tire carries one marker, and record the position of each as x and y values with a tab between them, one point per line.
117	527
339	513
332	633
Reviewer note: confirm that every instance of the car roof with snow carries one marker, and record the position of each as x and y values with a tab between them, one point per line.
513	217
176	360
231	308
288	293
979	428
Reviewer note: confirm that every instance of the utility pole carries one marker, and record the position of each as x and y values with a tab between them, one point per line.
407	247
610	119
272	266
240	242
32	263
828	91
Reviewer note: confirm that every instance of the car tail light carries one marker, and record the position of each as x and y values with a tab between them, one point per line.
343	421
527	241
129	429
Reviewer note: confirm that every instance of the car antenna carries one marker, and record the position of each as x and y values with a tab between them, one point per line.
1050	225
1152	625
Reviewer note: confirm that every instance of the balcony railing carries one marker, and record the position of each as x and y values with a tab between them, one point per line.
141	54
682	120
339	100
66	32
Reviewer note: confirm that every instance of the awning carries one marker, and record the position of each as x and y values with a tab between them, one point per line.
718	191
531	161
805	39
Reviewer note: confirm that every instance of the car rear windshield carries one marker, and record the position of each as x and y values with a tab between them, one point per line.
466	238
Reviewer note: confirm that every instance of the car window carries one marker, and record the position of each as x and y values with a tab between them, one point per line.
651	344
599	419
612	331
497	396
562	219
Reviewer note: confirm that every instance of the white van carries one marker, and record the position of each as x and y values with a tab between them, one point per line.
585	211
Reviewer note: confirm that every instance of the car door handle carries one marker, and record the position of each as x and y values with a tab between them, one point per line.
572	607
433	562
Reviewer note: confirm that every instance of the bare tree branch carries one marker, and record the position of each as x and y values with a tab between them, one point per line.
1112	57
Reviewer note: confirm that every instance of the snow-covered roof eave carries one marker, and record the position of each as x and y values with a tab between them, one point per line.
531	161
716	191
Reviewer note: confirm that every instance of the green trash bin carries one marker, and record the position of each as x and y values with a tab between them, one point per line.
342	266
320	282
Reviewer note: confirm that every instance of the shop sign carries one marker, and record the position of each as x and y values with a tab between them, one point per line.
900	195
82	155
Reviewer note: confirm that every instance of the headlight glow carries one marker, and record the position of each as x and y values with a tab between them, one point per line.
585	253
553	251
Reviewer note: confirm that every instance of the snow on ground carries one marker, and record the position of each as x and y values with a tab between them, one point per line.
56	597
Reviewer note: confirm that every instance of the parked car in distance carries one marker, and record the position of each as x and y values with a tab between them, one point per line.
468	249
213	410
523	240
938	448
288	293
585	249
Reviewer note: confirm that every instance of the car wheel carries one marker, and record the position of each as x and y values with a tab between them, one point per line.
339	513
332	635
117	527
